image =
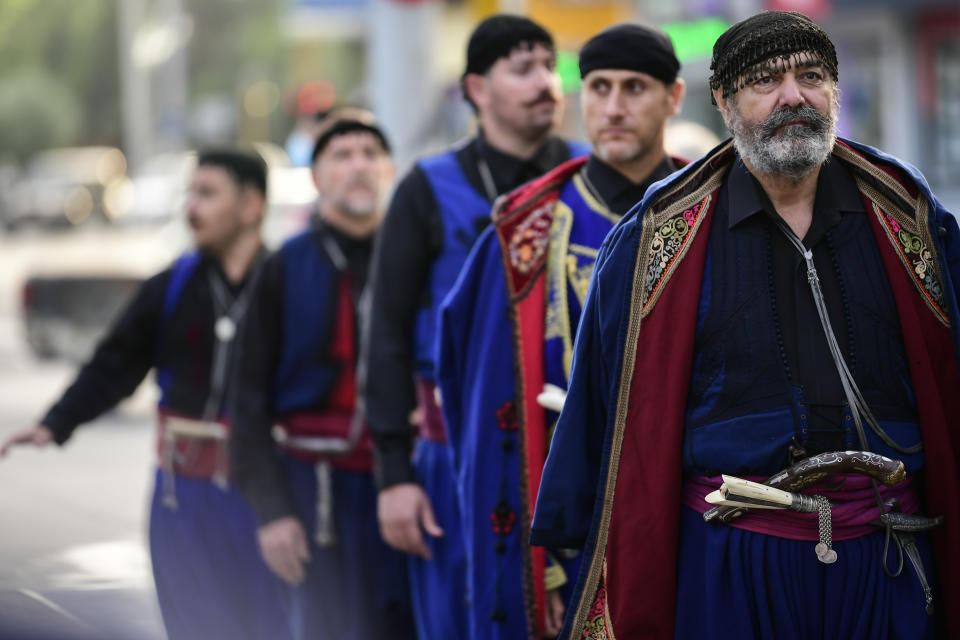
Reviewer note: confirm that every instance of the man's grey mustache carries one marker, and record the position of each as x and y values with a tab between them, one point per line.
814	121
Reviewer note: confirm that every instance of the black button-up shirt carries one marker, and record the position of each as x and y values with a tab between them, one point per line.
809	361
763	376
617	191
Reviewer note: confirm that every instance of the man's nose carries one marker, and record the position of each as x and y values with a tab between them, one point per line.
545	77
790	93
614	104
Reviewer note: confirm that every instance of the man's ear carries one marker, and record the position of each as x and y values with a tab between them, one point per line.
315	173
253	205
475	86
723	105
676	92
389	169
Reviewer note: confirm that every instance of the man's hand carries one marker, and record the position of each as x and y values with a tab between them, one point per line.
555	611
37	435
283	544
403	510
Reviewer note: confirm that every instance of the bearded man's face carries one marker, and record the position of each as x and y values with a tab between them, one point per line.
784	123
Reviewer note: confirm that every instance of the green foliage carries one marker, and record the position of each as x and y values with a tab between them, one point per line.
61	54
231	37
37	111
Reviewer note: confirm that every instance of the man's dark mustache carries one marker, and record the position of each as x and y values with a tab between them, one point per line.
544	96
813	120
361	182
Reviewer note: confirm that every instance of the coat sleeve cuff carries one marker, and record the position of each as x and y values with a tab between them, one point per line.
392	465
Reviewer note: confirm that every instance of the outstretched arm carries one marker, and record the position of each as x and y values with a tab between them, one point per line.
118	366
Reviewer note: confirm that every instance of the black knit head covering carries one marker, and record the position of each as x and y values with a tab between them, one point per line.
632	47
767	40
343	120
497	36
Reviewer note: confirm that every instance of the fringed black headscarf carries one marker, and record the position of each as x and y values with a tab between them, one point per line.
767	40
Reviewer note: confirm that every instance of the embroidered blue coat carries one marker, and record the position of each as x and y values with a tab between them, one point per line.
612	481
547	233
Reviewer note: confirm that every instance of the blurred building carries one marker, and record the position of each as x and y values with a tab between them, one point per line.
899	63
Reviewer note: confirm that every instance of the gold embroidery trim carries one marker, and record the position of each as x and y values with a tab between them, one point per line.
918	229
557	314
649	226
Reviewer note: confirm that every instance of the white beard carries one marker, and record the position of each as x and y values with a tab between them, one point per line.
793	152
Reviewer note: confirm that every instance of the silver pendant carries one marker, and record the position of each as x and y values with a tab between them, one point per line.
225	329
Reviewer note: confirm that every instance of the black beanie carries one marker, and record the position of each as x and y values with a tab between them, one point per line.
632	47
497	36
343	120
772	37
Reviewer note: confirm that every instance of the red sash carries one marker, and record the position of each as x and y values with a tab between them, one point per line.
193	457
431	421
335	421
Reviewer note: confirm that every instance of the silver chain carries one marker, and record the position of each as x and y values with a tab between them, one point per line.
824	548
858	405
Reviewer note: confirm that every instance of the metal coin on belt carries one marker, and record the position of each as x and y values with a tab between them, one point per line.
829	557
225	329
825	554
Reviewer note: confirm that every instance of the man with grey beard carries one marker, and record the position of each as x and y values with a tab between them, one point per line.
301	459
786	303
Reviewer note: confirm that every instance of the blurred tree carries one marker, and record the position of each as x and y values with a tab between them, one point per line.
37	111
237	43
62	55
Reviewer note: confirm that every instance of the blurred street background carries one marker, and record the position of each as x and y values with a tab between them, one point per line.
101	103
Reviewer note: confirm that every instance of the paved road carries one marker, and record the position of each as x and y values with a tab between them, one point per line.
73	558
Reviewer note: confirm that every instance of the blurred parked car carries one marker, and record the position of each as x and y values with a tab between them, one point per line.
75	284
67	187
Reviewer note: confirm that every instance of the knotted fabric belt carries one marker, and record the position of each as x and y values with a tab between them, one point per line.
337	437
191	448
853	504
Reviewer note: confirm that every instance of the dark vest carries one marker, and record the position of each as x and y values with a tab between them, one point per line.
314	388
307	371
465	213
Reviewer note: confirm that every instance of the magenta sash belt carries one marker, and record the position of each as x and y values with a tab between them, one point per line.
853	501
431	423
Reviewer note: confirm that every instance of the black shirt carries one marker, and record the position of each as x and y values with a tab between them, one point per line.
808	357
409	242
618	192
764	386
256	469
130	349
